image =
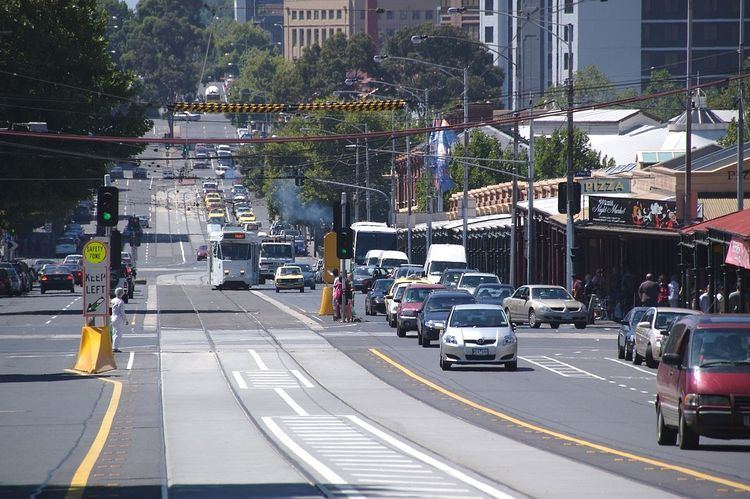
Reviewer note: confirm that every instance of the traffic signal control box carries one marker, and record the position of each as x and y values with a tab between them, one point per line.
107	206
562	198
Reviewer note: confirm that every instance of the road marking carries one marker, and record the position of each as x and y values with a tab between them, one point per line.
81	475
559	367
302	379
445	468
289	400
301	317
240	382
322	469
627	364
182	250
561	436
261	365
130	361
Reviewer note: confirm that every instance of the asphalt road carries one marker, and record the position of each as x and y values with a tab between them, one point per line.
251	394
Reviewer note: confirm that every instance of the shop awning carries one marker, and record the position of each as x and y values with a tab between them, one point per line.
736	224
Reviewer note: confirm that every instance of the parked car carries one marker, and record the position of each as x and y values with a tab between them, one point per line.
375	299
201	253
307	273
25	273
478	334
16	285
364	277
451	276
431	319
58	277
651	332
289	277
470	280
539	303
492	293
626	333
702	382
6	286
411	305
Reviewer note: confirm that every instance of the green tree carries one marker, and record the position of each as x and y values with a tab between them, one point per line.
590	86
666	107
67	79
550	154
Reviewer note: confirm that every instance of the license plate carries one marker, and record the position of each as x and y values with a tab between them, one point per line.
480	351
747	420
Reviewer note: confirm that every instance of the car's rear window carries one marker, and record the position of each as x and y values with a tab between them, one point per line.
550	294
417	294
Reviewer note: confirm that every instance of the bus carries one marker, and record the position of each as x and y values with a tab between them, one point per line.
213	94
233	258
372	236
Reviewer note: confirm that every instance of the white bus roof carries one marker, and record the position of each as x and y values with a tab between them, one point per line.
394	254
372	227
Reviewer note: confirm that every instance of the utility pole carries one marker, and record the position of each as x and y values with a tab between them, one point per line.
356	181
342	262
428	190
741	115
514	205
409	185
687	213
569	226
367	175
530	197
394	198
465	200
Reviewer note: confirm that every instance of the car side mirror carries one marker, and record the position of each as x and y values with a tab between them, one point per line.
389	296
397	300
646	325
624	322
671	359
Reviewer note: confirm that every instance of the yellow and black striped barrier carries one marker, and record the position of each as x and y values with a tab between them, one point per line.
219	107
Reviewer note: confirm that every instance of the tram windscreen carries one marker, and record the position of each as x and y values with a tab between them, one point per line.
235	251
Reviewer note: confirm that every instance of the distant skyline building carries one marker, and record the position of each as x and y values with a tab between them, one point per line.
312	22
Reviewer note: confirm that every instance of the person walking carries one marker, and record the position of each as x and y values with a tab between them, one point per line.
118	321
735	300
721	301
674	292
577	288
336	294
704	300
648	291
662	299
349	294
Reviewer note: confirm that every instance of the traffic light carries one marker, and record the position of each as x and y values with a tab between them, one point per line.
107	204
344	235
185	151
115	249
562	198
299	179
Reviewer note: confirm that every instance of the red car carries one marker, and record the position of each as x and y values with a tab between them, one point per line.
410	306
202	252
703	381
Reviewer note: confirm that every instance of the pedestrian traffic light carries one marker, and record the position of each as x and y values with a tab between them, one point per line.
185	151
107	204
115	249
562	198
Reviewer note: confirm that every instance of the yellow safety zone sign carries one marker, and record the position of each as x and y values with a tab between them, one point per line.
219	107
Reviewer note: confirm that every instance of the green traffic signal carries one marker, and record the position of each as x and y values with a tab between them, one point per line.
107	216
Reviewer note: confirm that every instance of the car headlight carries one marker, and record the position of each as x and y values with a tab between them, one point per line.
694	400
509	339
450	339
408	313
542	306
435	324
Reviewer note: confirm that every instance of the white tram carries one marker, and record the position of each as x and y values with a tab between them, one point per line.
233	258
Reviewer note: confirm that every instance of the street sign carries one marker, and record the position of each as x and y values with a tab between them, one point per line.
96	278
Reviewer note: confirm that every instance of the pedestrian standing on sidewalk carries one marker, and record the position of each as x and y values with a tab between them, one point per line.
674	292
663	297
648	291
118	321
349	293
704	300
336	295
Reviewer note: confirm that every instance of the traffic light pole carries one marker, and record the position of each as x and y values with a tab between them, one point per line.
569	226
342	263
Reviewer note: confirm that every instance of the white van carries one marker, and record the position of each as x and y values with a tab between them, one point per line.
392	259
372	258
441	257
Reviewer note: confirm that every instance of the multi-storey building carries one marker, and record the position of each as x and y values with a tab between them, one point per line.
312	22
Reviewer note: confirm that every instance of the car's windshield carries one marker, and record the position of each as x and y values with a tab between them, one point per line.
407	271
276	250
550	294
399	292
485	317
453	277
665	319
494	293
437	268
636	318
390	263
731	346
382	285
289	271
472	281
362	271
446	302
416	294
234	251
304	267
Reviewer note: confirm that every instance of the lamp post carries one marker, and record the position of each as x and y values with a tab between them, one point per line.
450	71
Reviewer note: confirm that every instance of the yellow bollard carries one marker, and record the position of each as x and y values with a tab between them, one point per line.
95	351
326	301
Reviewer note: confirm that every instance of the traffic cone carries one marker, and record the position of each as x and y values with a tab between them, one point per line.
326	301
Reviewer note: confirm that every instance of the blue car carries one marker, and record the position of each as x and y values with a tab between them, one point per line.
626	334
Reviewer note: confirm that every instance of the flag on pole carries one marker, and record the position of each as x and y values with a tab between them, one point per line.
441	147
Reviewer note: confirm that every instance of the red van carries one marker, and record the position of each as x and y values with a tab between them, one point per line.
703	381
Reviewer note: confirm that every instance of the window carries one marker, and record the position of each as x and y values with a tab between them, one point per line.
565	60
294	14
361	14
338	30
323	14
294	38
338	14
415	15
489	5
316	14
323	34
316	37
569	6
428	15
330	14
330	32
489	34
308	15
389	14
403	15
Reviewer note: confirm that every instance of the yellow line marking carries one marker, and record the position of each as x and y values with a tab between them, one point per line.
578	441
81	475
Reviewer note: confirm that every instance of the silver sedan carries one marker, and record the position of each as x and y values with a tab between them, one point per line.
478	334
538	303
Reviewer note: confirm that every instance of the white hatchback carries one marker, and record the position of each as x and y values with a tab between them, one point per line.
478	334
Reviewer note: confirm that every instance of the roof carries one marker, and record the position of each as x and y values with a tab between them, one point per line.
716	160
718	206
737	223
594	116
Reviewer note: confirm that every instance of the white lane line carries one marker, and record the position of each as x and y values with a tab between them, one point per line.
289	400
261	365
627	364
450	470
302	379
130	361
182	250
289	310
559	367
48	321
238	378
326	472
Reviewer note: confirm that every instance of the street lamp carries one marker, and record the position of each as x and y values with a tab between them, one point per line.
449	70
